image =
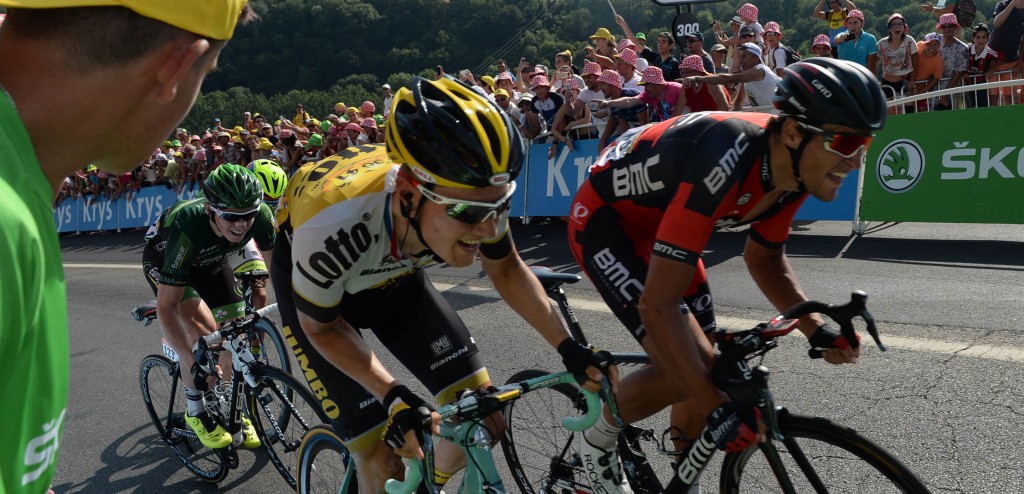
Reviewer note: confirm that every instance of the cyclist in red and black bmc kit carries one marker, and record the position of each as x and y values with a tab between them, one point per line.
638	226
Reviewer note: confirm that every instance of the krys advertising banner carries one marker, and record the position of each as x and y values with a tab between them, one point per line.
949	167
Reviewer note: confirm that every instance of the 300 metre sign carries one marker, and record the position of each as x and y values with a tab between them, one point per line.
685	24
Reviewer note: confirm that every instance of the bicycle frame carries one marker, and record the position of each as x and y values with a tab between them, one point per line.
460	424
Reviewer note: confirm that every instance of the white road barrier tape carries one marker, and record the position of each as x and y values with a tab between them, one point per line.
1003	353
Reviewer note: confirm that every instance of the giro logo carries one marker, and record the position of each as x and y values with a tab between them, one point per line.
900	166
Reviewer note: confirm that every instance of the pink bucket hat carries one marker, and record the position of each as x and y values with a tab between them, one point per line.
286	134
369	122
773	27
625	43
611	77
652	75
591	68
368	106
505	76
354	126
628	56
539	80
856	14
692	62
748	11
947	19
821	39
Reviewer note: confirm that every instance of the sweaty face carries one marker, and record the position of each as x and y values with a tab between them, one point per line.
823	171
454	241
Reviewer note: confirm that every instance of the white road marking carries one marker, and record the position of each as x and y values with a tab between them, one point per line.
1003	353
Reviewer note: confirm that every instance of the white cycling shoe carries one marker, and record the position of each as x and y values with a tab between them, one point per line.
603	468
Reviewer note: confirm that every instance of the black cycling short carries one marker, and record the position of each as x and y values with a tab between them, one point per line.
216	285
410	318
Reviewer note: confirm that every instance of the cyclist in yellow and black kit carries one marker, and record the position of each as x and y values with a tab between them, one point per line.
356	230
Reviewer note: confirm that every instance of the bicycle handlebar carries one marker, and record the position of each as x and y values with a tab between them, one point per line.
481	403
737	346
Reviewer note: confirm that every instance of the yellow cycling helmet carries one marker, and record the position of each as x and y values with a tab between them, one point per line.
271	176
450	135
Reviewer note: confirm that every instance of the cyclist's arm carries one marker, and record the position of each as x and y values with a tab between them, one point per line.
339	343
678	344
525	295
772	273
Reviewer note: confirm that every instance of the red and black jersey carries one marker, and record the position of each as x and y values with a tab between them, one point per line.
674	182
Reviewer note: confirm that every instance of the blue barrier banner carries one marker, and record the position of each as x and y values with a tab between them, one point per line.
518	207
553	183
143	210
840	209
65	216
101	215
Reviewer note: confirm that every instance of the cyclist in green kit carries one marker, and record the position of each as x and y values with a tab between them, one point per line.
58	70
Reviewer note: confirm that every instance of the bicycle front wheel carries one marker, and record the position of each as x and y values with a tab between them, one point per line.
323	465
283	410
274	351
164	397
541	454
820	456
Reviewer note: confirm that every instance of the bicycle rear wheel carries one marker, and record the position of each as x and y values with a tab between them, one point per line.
323	464
164	397
275	353
817	455
541	454
282	411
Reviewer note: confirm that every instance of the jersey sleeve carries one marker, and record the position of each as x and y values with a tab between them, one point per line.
318	273
264	225
706	191
178	254
773	232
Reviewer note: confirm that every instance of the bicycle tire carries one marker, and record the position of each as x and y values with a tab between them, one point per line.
161	387
282	411
323	463
275	352
540	453
832	454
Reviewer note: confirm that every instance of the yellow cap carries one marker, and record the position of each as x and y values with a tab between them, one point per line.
214	19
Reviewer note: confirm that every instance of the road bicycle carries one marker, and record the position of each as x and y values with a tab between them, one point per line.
802	454
324	467
281	409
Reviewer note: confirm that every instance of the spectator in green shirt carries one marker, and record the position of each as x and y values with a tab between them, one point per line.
63	62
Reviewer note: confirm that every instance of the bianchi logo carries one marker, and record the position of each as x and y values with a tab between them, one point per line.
900	166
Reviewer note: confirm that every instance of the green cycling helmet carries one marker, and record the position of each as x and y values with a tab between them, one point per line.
271	176
232	187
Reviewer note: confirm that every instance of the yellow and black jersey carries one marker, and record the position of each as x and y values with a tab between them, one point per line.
336	214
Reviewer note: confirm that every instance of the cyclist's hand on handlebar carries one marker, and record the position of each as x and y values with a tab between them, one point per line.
835	347
589	365
405	422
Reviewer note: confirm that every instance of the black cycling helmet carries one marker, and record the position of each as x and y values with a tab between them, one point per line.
820	91
450	135
232	187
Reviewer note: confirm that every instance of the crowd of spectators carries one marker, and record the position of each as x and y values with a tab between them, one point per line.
623	82
185	159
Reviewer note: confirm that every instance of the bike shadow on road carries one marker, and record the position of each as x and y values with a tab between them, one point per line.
139	461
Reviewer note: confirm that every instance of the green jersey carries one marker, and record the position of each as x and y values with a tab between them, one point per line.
182	240
33	316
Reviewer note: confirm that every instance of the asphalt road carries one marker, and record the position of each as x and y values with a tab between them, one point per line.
946	399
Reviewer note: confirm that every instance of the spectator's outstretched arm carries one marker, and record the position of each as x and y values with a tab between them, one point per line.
819	11
623	102
625	29
605	62
928	7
